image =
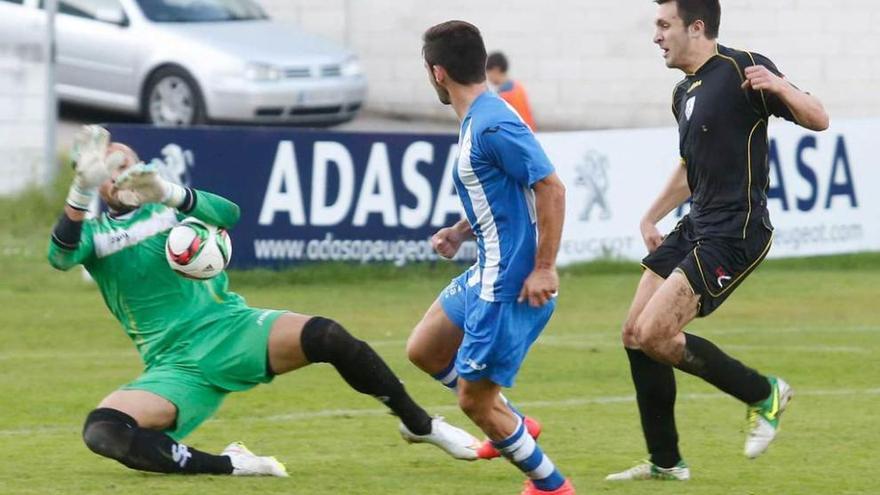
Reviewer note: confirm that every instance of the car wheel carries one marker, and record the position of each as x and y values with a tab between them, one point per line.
172	98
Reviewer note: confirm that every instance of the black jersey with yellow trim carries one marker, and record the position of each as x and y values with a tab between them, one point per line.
723	142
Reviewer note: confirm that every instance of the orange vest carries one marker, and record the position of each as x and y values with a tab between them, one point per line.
513	93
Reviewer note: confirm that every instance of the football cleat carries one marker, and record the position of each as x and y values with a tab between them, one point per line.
454	441
566	489
488	451
763	417
246	463
647	470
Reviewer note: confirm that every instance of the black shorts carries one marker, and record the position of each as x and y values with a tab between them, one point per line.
714	267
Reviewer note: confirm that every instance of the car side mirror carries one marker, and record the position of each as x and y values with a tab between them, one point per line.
112	16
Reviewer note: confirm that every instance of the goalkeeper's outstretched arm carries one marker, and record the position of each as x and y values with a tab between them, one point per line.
213	209
71	242
142	184
69	245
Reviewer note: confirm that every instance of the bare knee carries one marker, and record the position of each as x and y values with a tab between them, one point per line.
417	354
426	354
647	335
629	335
654	339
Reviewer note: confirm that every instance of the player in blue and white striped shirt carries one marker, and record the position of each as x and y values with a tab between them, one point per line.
475	336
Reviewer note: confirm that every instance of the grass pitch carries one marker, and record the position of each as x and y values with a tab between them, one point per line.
814	322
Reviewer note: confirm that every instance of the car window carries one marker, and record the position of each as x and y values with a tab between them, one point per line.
201	10
85	8
13	1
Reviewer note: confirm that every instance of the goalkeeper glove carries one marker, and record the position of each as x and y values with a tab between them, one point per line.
142	184
88	152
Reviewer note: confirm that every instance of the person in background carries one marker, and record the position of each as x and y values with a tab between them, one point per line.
509	90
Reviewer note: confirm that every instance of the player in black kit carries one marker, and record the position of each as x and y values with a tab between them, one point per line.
722	107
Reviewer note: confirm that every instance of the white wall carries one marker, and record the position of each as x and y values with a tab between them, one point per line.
591	64
22	115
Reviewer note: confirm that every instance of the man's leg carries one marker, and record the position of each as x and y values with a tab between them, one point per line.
660	334
297	340
481	401
432	347
654	383
128	426
659	328
433	344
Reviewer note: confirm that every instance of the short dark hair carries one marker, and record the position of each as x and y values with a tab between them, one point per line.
497	60
458	47
691	11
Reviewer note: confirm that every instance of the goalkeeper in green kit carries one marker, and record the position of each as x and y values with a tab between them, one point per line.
198	340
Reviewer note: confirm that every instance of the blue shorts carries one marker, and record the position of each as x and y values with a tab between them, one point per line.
497	335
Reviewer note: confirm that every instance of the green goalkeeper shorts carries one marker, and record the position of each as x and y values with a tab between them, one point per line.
230	355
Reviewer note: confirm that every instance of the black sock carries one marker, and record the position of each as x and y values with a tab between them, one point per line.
114	434
703	359
325	341
655	394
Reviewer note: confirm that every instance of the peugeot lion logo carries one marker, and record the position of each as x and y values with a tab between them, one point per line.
175	164
592	175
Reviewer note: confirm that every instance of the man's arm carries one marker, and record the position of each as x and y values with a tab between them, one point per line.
550	207
67	246
673	194
543	282
447	240
806	109
211	208
142	184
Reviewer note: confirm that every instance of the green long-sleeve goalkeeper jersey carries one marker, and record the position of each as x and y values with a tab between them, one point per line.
162	312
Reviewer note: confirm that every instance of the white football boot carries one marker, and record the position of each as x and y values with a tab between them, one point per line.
647	470
764	417
454	441
246	463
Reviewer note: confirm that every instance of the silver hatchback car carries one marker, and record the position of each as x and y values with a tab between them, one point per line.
183	62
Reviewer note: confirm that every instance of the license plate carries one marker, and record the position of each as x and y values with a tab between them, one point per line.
319	97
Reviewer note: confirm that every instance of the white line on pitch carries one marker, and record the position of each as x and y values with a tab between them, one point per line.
346	413
575	401
573	342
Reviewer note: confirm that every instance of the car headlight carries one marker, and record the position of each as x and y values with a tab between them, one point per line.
351	67
256	71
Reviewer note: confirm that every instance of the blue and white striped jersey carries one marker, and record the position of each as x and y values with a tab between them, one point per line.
499	160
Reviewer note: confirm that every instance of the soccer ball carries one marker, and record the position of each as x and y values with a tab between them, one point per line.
195	249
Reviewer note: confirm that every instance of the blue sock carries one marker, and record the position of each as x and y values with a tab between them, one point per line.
448	377
522	450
